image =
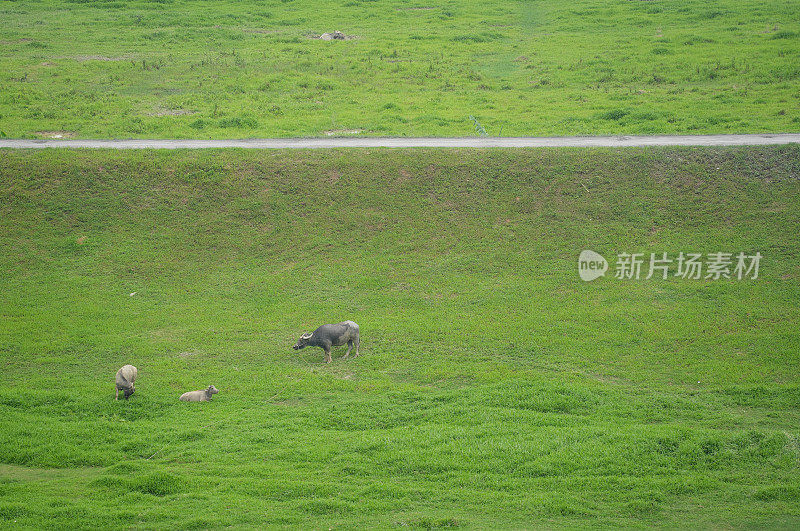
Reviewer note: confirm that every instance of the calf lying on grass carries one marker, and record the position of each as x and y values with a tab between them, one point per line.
331	335
125	378
203	395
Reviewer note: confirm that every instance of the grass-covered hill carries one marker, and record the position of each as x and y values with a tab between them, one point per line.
223	69
495	388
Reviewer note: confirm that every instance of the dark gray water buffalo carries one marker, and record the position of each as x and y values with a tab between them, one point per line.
331	335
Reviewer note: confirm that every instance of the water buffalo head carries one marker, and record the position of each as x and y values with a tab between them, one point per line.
303	341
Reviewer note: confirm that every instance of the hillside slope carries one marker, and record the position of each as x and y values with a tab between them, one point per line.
495	388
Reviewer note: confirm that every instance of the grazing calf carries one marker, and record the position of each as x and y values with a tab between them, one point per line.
125	378
331	335
204	395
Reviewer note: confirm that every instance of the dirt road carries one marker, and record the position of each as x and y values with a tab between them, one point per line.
378	142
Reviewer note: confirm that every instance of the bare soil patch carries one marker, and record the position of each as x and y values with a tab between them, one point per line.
343	132
84	58
172	112
333	36
55	134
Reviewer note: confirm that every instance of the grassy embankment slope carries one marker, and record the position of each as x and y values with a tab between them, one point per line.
495	387
210	69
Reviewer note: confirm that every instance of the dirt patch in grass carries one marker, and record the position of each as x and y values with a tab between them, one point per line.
332	36
17	41
342	132
167	334
55	134
172	112
84	58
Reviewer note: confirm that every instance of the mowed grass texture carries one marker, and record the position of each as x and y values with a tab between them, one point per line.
213	69
495	388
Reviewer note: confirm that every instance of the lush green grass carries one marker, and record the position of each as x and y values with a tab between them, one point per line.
180	68
494	389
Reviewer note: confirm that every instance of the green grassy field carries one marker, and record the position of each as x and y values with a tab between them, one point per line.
212	69
494	389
